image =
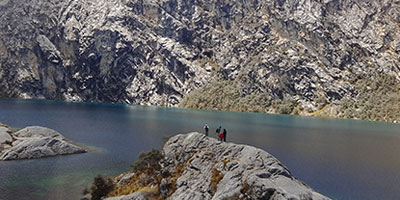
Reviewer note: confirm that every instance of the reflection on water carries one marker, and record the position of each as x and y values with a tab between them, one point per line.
344	159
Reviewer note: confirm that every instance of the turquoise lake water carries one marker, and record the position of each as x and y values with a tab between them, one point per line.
343	159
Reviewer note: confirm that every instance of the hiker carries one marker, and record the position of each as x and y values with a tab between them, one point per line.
221	136
206	129
218	130
224	135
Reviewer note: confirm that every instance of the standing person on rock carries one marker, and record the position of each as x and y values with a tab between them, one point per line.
206	129
218	130
221	136
224	135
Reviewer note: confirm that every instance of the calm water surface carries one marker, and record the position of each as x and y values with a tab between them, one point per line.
343	159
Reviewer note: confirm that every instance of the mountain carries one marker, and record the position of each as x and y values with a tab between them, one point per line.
324	57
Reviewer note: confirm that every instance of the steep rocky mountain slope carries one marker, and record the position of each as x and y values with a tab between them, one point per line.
269	56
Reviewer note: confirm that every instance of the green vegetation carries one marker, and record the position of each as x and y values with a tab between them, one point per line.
378	99
224	95
100	188
149	178
148	160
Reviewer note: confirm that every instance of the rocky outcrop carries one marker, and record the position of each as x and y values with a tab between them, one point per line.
34	142
157	52
220	170
4	135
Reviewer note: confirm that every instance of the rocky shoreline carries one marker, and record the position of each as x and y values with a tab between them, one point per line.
198	167
34	142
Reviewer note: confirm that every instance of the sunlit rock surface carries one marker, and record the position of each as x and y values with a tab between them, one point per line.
35	142
244	172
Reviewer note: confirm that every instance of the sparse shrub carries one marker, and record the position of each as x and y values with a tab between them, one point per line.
321	101
283	106
225	95
245	187
148	160
100	188
3	95
377	99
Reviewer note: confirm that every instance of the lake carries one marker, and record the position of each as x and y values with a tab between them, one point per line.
343	159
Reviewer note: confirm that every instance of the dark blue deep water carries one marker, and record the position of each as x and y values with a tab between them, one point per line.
343	159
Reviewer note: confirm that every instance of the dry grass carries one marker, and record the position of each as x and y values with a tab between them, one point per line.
136	184
216	177
147	181
133	185
226	162
245	187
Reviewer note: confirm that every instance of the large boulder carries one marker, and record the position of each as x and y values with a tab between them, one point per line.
4	136
38	147
235	171
38	131
37	142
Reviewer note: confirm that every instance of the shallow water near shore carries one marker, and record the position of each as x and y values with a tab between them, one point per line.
343	159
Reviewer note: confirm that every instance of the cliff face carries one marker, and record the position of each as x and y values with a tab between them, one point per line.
159	51
210	169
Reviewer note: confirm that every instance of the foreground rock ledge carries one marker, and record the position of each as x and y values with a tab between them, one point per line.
245	172
34	142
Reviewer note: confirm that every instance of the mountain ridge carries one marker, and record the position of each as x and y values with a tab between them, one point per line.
292	56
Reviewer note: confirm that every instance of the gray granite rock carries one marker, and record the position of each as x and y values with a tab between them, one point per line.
48	49
125	178
37	142
244	168
133	196
244	172
38	147
37	131
4	135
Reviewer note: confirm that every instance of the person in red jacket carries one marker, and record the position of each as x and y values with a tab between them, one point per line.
221	136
